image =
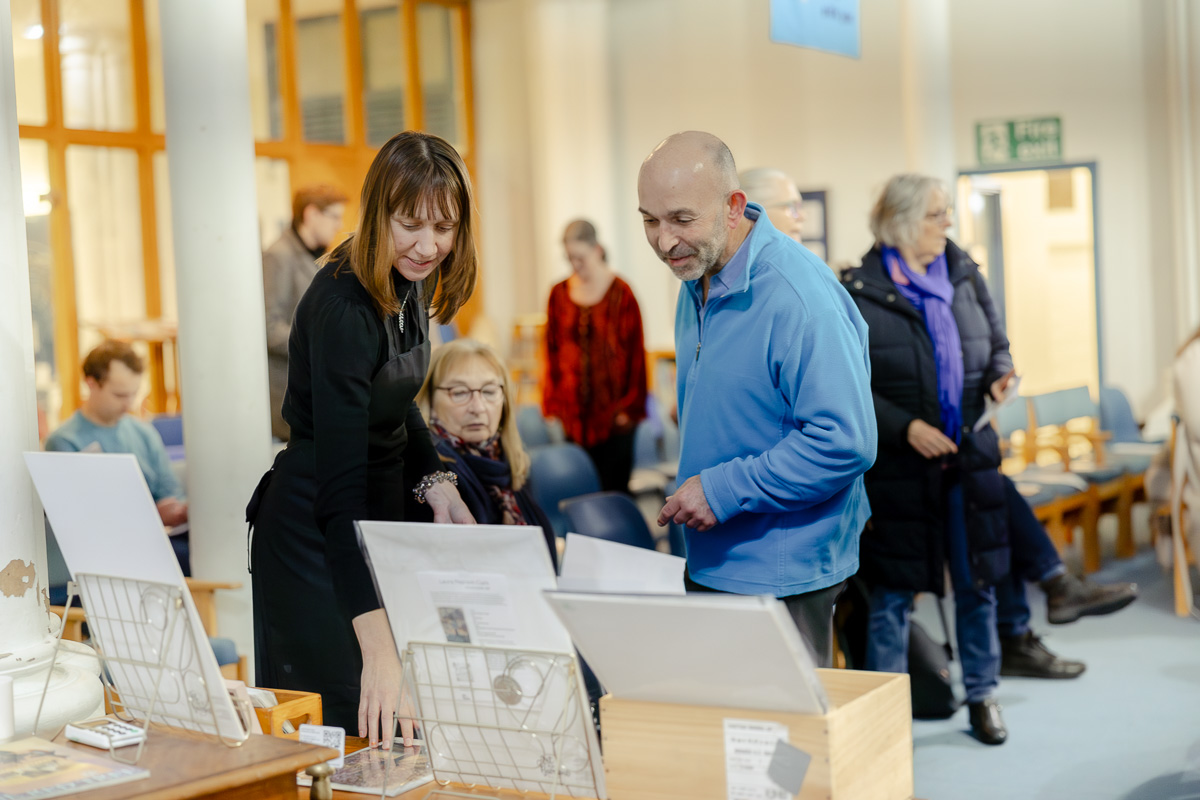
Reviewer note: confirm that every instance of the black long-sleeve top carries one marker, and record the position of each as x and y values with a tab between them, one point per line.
367	436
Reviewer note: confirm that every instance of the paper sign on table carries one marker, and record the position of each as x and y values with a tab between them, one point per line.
749	747
329	736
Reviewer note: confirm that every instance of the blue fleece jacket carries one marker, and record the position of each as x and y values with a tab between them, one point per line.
776	417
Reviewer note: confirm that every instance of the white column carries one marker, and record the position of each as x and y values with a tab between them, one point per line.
926	90
222	343
1183	106
26	625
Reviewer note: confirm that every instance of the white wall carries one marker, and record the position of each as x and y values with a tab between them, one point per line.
504	179
1081	60
557	139
832	122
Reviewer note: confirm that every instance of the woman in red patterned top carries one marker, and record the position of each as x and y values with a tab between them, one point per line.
595	360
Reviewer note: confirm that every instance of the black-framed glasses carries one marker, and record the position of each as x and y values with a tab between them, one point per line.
461	395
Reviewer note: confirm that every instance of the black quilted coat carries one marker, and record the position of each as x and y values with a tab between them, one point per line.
903	546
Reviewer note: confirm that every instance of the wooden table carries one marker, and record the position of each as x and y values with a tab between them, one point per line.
184	764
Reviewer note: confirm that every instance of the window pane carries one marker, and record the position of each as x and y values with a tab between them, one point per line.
35	191
97	72
106	238
321	69
158	120
266	99
274	198
27	55
383	70
439	32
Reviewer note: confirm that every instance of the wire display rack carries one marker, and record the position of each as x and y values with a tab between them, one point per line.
152	666
503	718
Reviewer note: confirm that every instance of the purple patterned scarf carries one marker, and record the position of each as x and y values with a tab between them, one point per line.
932	295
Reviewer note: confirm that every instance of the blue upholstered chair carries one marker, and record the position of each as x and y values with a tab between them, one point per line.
559	472
612	516
532	427
1059	500
170	428
1116	415
1114	481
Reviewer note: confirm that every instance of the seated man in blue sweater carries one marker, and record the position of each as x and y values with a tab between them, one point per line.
113	373
773	375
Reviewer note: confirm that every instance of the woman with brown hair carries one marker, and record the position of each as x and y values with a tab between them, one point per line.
357	356
595	358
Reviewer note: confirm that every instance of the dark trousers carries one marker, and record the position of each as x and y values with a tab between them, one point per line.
1034	559
974	614
614	461
811	611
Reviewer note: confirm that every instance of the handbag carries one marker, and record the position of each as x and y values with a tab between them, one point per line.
929	672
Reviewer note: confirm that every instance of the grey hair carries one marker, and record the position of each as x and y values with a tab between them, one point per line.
756	183
898	213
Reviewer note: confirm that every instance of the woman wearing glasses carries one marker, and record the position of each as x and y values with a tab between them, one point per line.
595	379
937	347
466	400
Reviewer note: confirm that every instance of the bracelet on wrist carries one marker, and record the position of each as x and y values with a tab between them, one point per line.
427	483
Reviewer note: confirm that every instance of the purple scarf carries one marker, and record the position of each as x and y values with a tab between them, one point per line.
932	295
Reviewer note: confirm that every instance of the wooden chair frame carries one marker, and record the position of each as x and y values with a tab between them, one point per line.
1116	496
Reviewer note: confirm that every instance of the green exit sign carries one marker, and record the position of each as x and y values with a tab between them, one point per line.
1019	140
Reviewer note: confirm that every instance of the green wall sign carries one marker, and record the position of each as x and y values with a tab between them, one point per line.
1018	141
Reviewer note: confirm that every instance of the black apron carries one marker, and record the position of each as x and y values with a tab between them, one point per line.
302	640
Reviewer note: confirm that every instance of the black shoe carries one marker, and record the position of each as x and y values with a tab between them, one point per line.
986	723
1068	598
1026	657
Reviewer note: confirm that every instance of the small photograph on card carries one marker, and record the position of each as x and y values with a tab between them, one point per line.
454	625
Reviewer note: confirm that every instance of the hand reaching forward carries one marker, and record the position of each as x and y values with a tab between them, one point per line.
688	506
380	699
447	504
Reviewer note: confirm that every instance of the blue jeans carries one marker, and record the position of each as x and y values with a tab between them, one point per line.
974	616
1034	558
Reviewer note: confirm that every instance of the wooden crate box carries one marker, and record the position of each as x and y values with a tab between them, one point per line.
861	750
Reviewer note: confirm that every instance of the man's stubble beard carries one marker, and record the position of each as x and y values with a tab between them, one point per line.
707	258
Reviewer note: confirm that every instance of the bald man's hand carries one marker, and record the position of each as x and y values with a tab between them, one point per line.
688	506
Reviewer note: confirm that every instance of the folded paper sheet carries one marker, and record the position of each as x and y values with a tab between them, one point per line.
598	565
702	649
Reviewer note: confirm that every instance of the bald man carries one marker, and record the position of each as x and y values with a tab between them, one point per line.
776	415
777	194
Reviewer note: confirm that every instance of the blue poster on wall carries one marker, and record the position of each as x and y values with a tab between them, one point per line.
829	25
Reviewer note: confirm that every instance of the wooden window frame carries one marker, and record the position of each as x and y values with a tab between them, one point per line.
352	157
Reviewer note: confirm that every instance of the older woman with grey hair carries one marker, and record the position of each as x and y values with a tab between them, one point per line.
937	347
